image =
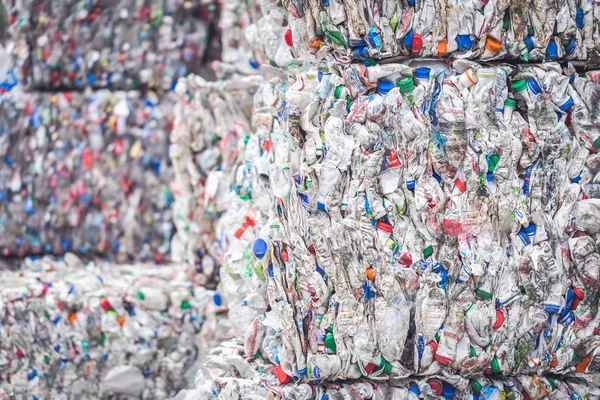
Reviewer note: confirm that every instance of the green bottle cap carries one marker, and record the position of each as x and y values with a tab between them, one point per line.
427	251
185	305
472	352
387	368
597	142
482	294
476	386
519	85
140	294
330	342
495	365
510	103
338	91
405	84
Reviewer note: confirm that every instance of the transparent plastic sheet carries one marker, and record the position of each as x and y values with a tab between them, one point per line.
529	30
425	221
100	331
86	172
116	44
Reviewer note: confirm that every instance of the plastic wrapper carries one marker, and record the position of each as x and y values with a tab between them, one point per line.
116	44
99	331
85	172
366	30
419	221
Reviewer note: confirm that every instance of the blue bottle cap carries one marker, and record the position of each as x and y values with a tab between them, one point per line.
356	43
529	43
361	52
411	3
552	50
464	42
568	319
217	299
448	391
260	248
534	87
579	18
325	3
415	389
572	77
408	39
489	176
551	308
410	185
576	179
383	87
320	75
321	206
524	238
423	73
571	46
252	63
567	105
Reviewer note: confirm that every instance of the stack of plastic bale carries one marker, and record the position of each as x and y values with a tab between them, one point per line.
98	331
86	165
430	225
117	44
529	30
86	172
210	120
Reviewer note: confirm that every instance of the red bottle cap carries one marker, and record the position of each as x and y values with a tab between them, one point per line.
417	43
282	376
288	37
499	319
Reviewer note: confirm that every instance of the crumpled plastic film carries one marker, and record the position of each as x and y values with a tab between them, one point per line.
86	172
364	30
123	45
98	331
425	220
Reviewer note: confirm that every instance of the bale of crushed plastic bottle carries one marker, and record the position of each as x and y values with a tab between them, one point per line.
72	330
414	222
488	30
107	44
85	172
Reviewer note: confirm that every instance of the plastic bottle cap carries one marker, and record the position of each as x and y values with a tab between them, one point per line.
570	49
407	40
288	37
460	185
410	185
415	389
436	385
427	251
330	342
443	360
499	319
551	308
534	87
519	85
495	364
476	386
260	248
552	50
217	299
567	105
422	73
448	391
493	45
338	91
417	43
282	377
529	43
442	47
252	63
383	87
384	226
370	274
510	103
579	18
406	84
464	42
